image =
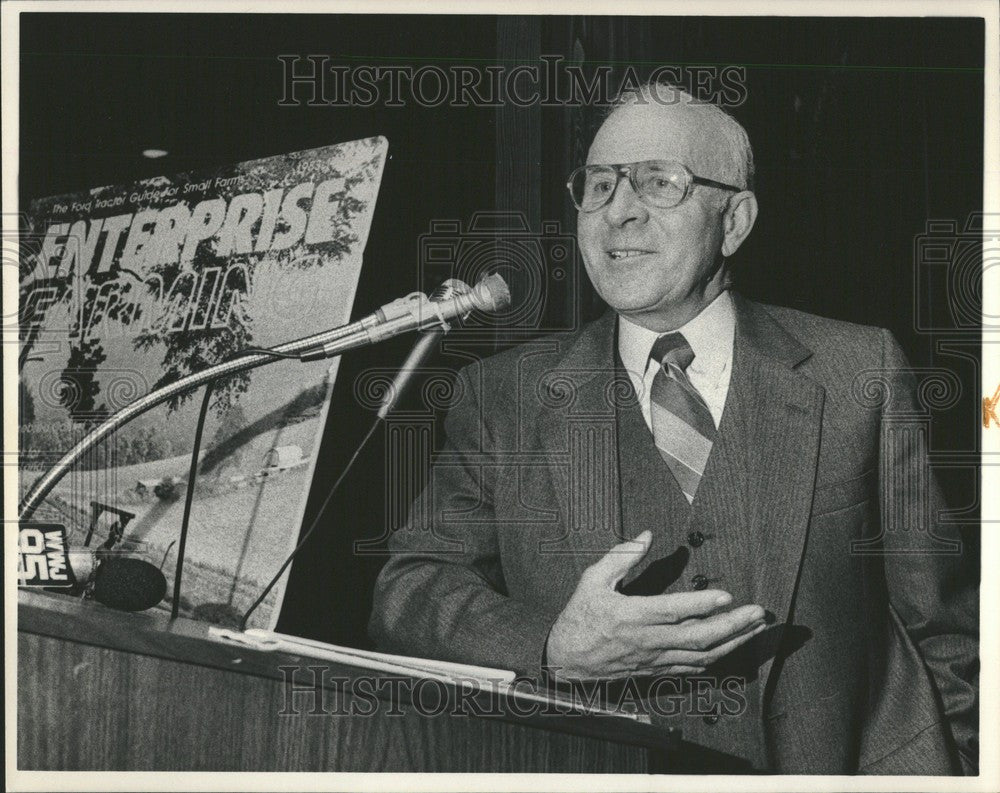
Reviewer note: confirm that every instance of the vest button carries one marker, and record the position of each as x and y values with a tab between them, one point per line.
711	718
699	582
695	539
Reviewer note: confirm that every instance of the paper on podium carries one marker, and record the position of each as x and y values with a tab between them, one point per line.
483	677
383	662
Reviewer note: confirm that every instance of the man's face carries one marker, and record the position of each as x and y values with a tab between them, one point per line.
660	267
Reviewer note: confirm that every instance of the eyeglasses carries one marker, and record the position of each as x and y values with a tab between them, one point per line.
659	183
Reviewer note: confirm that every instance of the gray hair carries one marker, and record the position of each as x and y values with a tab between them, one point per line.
738	153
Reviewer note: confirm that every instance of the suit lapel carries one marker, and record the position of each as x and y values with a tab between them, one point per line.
577	437
779	411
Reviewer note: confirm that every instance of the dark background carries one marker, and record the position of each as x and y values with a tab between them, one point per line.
863	130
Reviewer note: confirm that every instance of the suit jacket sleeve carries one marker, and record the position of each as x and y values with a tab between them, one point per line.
442	592
933	591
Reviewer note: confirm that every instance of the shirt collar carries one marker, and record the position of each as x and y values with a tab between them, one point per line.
710	335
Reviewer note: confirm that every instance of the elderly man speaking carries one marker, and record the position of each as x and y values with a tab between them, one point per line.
695	488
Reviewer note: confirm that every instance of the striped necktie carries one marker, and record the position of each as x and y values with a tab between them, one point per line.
683	429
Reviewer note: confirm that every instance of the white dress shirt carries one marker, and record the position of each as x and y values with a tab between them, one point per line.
711	335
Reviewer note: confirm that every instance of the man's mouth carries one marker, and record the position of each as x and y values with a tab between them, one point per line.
626	253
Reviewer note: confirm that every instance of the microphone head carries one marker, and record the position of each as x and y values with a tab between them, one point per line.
129	584
491	293
449	289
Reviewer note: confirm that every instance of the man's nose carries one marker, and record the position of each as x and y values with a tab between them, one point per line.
625	206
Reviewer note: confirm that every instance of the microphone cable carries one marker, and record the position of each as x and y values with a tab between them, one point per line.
313	526
193	472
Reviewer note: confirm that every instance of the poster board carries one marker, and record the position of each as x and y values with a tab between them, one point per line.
128	288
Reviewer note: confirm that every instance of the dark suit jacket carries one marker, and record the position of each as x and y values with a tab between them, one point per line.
821	462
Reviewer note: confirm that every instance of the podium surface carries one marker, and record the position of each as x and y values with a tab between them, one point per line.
106	690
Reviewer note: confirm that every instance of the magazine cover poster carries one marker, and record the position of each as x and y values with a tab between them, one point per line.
127	289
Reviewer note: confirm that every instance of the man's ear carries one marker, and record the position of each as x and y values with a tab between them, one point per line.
738	221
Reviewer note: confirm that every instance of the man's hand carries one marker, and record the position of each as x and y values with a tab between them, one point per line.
602	633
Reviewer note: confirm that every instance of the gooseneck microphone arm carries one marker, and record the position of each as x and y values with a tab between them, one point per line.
415	312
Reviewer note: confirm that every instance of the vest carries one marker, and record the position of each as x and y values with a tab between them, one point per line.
719	709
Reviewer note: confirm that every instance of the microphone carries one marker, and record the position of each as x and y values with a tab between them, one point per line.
129	584
418	312
119	582
421	350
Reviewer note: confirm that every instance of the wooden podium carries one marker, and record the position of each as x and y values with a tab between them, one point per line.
105	690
